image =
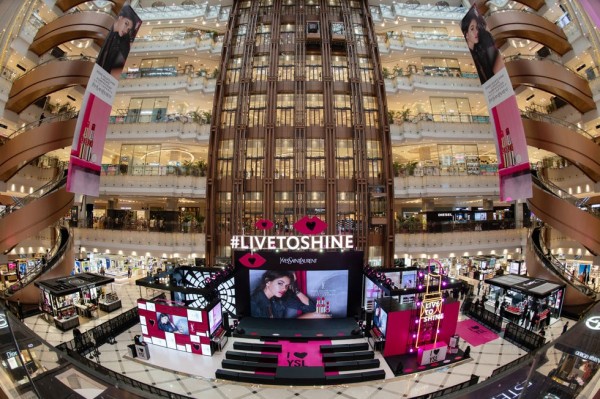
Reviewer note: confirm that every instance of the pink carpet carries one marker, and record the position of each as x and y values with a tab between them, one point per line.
474	333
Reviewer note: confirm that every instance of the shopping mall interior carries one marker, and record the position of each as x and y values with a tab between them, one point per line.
331	147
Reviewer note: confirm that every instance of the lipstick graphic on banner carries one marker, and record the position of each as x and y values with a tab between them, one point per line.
252	260
310	226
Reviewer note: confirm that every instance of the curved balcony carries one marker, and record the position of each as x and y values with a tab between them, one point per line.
66	5
161	131
33	213
191	84
80	25
534	4
552	78
35	140
457	243
148	44
447	127
46	79
444	186
157	186
508	24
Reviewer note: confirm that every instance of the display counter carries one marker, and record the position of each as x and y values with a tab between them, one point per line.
87	310
109	306
66	323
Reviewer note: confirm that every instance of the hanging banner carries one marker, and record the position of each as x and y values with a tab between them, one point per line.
85	161
511	146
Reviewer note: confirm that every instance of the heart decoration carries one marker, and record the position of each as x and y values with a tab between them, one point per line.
152	322
252	261
197	347
300	355
311	225
436	351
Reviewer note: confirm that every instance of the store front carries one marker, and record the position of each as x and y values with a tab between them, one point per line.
68	298
526	299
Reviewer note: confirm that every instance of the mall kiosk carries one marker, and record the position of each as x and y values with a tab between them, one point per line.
67	298
192	320
519	293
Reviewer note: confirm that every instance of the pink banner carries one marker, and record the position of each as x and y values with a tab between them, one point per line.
90	132
511	146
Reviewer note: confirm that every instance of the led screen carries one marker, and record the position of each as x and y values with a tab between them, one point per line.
298	294
215	318
409	279
380	318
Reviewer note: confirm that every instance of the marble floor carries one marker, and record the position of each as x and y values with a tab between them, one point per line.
195	375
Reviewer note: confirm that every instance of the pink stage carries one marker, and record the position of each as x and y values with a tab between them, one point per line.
474	333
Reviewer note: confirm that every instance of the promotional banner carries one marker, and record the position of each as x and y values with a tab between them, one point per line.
511	146
85	161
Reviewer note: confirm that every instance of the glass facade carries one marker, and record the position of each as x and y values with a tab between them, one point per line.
300	127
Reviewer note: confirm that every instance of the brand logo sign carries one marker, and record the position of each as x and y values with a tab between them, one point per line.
593	323
313	242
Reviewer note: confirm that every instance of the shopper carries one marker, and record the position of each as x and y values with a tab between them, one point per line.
565	328
19	310
496	304
129	272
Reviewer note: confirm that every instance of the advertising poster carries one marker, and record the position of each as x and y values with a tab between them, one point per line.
511	146
85	161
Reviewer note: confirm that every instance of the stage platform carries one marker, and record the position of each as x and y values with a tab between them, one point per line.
297	329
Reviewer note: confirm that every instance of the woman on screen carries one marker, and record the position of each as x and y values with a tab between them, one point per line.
481	44
276	293
165	324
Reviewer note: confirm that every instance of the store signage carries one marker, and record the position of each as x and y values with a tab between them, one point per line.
587	356
431	310
10	354
316	242
593	323
3	321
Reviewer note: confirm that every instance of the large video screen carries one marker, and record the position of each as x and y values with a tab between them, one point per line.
298	293
290	284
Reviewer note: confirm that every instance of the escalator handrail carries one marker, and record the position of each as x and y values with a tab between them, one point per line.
538	116
556	266
55	255
48	188
553	189
63	116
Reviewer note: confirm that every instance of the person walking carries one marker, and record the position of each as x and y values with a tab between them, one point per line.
496	304
129	272
565	328
19	310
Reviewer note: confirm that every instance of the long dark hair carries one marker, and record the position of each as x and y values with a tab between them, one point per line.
270	275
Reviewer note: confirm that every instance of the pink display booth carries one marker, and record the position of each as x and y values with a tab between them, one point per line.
165	323
403	320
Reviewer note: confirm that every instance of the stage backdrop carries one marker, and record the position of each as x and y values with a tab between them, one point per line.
511	146
332	280
85	161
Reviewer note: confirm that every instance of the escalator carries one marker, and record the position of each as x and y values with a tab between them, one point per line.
567	214
577	294
557	208
31	214
34	140
59	263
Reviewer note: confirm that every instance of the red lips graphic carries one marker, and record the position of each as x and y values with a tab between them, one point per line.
252	261
310	226
263	224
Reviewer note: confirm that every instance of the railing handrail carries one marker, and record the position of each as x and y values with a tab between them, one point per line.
554	264
46	189
538	58
63	58
63	116
539	116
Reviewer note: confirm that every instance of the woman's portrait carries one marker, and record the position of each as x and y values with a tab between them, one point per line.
277	296
165	324
486	56
116	48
